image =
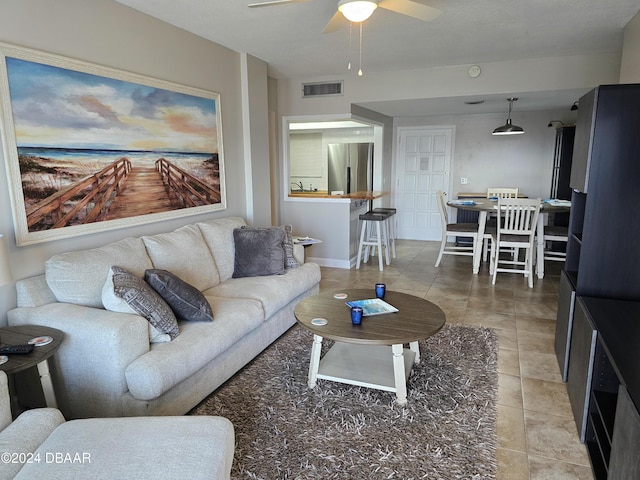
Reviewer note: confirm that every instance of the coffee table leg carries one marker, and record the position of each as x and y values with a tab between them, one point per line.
415	347
398	373
315	360
47	384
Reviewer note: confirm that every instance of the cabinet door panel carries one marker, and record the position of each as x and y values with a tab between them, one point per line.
564	323
583	141
583	344
625	462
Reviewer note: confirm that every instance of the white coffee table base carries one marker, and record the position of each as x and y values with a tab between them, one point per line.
381	367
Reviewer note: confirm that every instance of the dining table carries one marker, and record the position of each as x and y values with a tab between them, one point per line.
486	205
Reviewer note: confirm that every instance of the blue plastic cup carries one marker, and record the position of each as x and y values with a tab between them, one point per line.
356	315
381	289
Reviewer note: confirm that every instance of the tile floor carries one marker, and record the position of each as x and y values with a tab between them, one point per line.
537	437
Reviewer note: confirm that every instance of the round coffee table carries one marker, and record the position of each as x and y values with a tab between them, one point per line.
371	354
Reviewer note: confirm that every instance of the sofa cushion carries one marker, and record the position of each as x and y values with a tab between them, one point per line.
144	301
78	277
272	292
218	234
258	252
167	364
185	300
184	253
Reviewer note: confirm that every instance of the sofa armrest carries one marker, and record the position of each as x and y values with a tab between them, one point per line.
88	369
25	435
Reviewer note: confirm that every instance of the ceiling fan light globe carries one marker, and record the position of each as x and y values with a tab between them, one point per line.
357	10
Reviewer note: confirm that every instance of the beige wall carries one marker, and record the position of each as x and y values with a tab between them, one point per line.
630	68
107	33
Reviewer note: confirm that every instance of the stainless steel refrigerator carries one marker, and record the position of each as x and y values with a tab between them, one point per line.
350	167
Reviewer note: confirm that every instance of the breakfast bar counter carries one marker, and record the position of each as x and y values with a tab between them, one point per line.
361	195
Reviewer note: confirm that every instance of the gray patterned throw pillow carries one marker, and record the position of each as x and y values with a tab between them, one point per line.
145	301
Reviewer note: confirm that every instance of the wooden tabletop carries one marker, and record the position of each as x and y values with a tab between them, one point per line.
21	335
416	318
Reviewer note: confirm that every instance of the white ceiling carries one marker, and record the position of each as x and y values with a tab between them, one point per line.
289	37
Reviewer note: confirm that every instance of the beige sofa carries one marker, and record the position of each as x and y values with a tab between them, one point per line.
40	444
107	365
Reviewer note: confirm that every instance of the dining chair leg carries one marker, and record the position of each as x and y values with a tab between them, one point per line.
442	245
493	266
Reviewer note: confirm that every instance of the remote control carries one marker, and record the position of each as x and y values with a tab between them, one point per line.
11	349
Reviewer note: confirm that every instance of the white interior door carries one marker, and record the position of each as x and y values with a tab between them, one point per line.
422	168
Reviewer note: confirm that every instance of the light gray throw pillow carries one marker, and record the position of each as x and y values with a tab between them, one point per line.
258	252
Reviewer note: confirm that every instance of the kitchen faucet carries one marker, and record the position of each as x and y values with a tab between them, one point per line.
299	185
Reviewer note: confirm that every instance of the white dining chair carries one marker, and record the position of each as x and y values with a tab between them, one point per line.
454	230
554	233
500	192
490	229
516	229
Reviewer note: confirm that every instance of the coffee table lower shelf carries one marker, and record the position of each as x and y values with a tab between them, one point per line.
371	366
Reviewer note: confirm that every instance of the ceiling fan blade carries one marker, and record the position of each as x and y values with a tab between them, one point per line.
411	8
271	3
335	23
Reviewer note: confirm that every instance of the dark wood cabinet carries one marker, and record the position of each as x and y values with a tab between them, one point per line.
608	378
625	461
583	345
564	323
600	284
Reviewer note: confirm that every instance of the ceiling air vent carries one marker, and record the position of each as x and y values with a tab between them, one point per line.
321	89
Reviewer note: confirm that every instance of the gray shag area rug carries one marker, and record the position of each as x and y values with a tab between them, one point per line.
284	430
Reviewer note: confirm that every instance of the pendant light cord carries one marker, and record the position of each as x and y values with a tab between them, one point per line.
360	69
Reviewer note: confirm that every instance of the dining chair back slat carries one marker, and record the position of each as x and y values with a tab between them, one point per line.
500	192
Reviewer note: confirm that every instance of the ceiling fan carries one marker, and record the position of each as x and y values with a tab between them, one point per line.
359	10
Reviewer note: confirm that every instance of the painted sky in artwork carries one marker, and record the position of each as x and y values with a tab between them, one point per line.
61	108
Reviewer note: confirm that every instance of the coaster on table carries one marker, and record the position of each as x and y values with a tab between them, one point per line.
40	341
319	321
3	359
340	296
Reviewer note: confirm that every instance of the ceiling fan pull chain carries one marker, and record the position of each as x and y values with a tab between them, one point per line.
360	70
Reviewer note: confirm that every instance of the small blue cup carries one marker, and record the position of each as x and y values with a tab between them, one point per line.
356	315
381	289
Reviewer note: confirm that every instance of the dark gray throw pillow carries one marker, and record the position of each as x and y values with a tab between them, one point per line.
258	252
185	300
145	301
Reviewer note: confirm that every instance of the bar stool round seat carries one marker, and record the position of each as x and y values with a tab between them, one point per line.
369	219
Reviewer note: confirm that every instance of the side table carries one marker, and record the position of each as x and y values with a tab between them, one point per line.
39	357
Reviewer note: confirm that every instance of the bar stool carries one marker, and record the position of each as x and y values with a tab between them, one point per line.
391	226
368	220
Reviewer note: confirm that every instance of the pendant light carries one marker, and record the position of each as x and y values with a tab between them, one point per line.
357	10
508	128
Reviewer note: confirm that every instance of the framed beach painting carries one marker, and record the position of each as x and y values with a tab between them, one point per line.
89	148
